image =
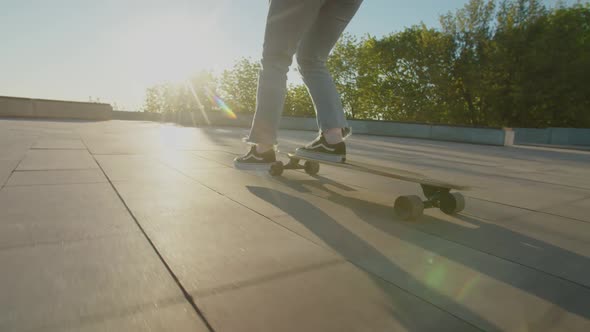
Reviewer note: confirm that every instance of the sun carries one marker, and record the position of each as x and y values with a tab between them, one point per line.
169	48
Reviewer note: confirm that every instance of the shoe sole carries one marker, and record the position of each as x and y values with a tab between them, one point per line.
332	158
252	166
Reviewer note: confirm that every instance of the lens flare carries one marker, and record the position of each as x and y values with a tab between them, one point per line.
436	275
220	103
198	100
467	288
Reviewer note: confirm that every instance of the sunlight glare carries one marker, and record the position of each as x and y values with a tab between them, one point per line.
216	100
169	48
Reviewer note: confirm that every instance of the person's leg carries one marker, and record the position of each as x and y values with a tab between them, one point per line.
287	22
312	55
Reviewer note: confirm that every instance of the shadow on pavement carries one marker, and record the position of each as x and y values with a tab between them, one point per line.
570	296
355	249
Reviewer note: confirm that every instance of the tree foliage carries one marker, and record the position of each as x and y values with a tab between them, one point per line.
238	85
512	63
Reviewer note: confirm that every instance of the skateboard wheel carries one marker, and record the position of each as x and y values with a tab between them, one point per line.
452	203
311	168
408	207
276	169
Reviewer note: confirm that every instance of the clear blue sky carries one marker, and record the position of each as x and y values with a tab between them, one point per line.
115	49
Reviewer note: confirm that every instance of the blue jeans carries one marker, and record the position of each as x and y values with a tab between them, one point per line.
308	29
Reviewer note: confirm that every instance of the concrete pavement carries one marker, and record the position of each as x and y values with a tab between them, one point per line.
135	226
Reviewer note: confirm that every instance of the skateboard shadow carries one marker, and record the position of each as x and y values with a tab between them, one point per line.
476	238
373	262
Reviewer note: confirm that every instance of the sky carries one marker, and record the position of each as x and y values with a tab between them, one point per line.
112	50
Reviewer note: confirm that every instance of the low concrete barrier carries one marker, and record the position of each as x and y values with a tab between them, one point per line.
299	123
490	136
195	119
16	107
43	108
136	116
399	129
553	136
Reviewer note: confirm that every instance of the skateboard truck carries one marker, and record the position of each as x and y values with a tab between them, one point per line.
412	207
310	167
409	207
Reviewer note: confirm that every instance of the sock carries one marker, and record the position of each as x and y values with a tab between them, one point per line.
262	148
333	136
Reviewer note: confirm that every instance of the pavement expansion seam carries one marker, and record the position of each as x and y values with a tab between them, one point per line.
103	317
269	277
347	260
186	294
491	254
16	167
70	241
53	184
537	211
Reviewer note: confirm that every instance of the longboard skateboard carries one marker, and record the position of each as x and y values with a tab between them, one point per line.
411	207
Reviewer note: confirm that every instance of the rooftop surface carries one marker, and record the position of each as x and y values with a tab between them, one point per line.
142	226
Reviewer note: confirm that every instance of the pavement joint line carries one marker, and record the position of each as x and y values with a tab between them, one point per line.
55	169
320	245
65	242
425	232
481	251
11	173
504	258
53	184
189	298
106	316
120	154
216	161
269	277
533	210
504	176
17	165
509	177
60	149
535	181
479	173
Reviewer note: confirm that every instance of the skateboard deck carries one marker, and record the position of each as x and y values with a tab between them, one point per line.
437	192
388	172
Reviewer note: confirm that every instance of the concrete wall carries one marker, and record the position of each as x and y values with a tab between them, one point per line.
490	136
136	116
553	136
42	108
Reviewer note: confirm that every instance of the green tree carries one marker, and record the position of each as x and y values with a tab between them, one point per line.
494	63
543	56
472	30
298	102
154	102
200	89
415	73
238	86
346	66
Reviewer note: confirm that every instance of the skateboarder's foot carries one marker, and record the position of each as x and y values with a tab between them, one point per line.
254	160
322	150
